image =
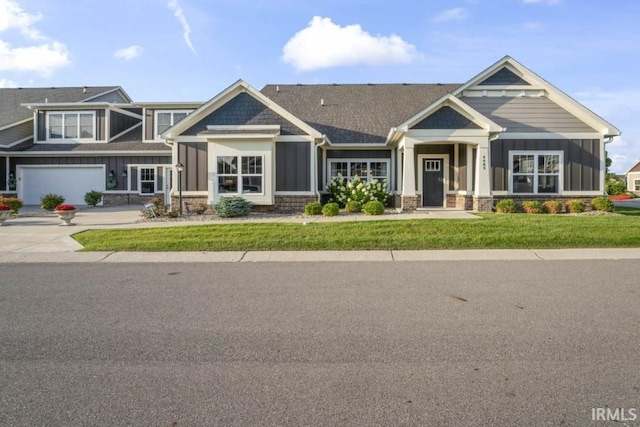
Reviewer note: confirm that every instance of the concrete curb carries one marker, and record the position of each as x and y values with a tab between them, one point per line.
322	256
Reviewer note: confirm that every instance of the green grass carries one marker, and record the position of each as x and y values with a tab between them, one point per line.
493	231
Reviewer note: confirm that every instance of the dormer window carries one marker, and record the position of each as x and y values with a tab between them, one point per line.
167	118
71	126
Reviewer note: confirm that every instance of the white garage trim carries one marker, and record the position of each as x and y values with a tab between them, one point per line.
70	181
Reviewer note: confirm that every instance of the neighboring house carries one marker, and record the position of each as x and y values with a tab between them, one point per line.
72	140
633	178
505	133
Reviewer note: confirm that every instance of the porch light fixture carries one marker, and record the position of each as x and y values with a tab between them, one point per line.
180	169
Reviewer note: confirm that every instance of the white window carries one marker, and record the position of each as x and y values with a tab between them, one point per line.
71	125
636	185
250	174
165	119
365	169
536	172
147	180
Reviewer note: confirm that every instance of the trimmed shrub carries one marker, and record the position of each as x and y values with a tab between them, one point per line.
13	202
531	207
48	202
575	206
331	209
506	206
342	191
603	204
613	187
92	197
313	208
374	207
353	207
552	206
232	206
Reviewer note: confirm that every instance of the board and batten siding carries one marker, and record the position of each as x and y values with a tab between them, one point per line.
293	166
149	124
193	155
436	149
527	114
16	133
581	161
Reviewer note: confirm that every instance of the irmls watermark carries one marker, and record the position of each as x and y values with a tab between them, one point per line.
614	414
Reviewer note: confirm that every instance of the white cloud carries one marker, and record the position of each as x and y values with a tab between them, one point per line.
7	83
549	2
186	29
457	14
44	57
324	44
129	53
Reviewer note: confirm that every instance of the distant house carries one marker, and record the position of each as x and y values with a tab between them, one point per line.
505	133
633	177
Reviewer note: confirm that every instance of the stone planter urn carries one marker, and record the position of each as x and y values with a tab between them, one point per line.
66	213
4	215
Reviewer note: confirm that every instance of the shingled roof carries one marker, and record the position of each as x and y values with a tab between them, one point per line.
11	110
356	113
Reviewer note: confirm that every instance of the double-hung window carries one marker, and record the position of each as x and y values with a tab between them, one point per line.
166	119
636	185
147	180
536	172
240	174
71	125
365	169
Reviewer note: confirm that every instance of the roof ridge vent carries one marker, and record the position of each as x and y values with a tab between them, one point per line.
322	102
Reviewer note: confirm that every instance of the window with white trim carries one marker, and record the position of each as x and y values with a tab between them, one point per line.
636	185
250	174
147	180
71	125
536	172
164	119
365	169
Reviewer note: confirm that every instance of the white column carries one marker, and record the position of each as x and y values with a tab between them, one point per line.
409	172
399	170
470	169
483	172
456	176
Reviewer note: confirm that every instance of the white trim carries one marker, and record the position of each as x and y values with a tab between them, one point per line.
636	182
242	127
445	175
10	125
156	135
126	113
577	193
124	94
189	193
535	172
632	166
155	179
49	140
19	168
240	136
124	131
294	193
139	166
97	153
368	160
549	135
20	141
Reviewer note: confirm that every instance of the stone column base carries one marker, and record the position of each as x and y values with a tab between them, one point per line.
482	203
409	203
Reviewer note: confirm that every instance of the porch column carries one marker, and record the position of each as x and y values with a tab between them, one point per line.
482	199
409	200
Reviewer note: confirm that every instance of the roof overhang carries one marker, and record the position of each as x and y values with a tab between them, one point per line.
632	167
241	132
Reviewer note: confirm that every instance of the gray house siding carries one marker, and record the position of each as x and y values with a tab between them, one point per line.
244	109
16	133
193	155
41	126
148	124
462	167
118	123
527	114
117	164
319	169
3	173
293	166
446	118
437	149
503	77
101	122
581	161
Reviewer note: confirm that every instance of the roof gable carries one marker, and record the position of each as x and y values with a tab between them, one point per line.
634	168
504	76
445	118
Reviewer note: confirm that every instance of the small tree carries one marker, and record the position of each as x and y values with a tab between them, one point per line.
93	197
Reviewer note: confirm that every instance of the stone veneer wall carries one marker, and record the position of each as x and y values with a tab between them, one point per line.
128	199
464	202
293	203
482	203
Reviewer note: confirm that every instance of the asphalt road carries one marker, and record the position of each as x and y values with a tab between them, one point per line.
390	343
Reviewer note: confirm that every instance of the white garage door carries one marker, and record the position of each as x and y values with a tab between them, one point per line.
72	182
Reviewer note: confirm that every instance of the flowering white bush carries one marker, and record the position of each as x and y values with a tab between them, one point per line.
342	191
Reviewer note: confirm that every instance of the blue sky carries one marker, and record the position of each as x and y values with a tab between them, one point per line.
189	50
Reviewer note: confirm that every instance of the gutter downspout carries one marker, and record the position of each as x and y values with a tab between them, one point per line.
315	166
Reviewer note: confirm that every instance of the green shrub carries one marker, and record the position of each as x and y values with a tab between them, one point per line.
353	207
506	206
552	206
632	195
92	197
313	208
531	207
614	187
374	207
172	214
48	202
342	191
13	202
575	206
331	209
232	206
603	204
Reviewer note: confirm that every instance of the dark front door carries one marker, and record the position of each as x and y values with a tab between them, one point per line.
432	182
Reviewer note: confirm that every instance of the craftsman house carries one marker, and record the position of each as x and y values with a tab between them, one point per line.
505	133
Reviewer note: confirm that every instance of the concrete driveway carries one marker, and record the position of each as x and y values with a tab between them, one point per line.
632	203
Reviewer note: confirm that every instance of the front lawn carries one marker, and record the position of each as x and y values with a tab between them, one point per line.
494	231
